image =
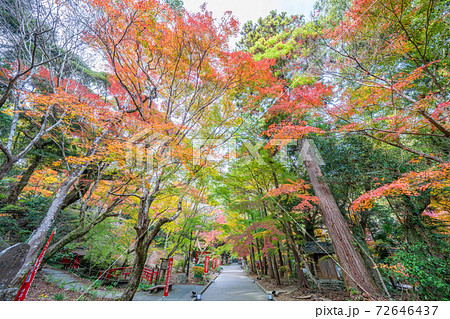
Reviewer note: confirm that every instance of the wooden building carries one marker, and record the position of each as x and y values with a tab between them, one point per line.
322	265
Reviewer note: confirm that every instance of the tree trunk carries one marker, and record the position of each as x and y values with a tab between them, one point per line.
271	267
264	261
297	257
252	259
355	272
6	166
280	256
38	239
17	189
142	245
73	235
143	240
275	270
288	251
77	233
140	257
259	257
76	193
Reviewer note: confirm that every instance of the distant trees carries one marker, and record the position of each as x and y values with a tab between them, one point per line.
365	85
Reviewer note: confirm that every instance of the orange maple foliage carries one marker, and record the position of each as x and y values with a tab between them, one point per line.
298	189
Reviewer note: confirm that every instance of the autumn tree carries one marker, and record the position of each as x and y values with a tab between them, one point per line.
293	102
171	79
35	34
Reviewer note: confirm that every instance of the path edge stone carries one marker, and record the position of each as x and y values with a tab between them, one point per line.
207	286
265	291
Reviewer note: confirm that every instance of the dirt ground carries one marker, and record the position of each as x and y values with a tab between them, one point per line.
41	290
291	292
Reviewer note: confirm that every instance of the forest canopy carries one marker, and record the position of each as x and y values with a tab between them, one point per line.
317	143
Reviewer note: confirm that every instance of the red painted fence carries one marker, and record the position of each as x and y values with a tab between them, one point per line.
122	273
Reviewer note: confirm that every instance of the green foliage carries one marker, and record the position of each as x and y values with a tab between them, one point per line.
273	25
59	297
429	274
5	124
198	271
17	222
284	270
102	245
175	4
178	265
144	286
275	36
8	227
96	284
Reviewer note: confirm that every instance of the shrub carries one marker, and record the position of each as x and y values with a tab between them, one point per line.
58	297
198	271
144	286
429	274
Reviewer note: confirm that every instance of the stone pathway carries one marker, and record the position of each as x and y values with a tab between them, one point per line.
178	293
71	282
233	285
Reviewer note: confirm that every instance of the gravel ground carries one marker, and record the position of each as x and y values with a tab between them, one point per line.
290	292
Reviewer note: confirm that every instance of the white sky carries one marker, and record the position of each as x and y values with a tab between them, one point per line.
245	10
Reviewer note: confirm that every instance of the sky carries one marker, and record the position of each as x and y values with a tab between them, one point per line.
245	10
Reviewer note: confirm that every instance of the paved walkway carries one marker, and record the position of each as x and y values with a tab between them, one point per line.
178	293
233	285
70	282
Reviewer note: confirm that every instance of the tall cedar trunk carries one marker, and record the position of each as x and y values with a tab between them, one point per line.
297	256
17	189
38	238
355	272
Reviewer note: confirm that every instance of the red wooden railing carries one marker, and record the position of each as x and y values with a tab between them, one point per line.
122	273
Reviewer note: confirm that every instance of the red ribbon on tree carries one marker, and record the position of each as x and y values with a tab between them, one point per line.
27	282
166	289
